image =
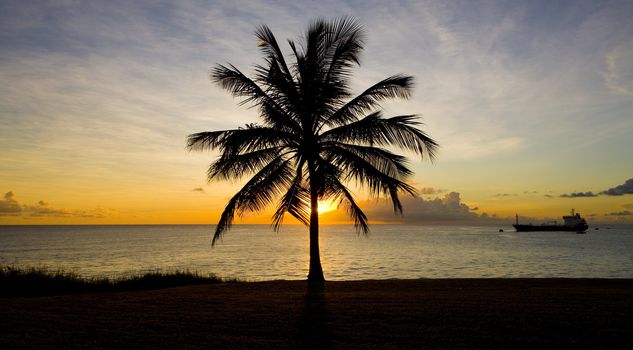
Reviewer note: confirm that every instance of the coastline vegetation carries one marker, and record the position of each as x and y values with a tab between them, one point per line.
43	281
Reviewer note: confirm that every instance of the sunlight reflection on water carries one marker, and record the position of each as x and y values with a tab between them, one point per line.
254	252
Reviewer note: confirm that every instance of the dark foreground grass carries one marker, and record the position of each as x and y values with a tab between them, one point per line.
25	282
390	314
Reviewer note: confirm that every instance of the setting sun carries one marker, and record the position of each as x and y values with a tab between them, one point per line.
326	206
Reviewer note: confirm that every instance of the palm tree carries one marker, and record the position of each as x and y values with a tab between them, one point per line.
314	138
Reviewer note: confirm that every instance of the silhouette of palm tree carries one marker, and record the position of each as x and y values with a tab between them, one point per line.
314	138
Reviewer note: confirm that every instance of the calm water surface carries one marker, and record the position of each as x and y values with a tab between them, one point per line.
254	252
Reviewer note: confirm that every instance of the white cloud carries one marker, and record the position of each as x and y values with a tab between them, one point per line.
477	147
619	71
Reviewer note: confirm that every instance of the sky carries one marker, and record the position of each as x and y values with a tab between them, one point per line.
531	102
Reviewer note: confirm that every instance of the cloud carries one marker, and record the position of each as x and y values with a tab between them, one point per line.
44	209
417	210
505	195
548	196
626	188
578	194
431	190
616	74
198	189
10	206
620	213
473	146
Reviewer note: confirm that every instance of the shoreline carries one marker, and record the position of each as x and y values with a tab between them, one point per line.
392	314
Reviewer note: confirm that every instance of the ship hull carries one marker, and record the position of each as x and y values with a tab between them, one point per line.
539	228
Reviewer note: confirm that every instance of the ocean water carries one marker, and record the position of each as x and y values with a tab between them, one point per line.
255	252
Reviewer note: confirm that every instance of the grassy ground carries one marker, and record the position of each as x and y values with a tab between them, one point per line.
391	314
42	281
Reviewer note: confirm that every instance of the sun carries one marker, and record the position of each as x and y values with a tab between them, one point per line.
326	206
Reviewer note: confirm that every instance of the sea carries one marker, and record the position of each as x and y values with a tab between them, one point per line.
256	252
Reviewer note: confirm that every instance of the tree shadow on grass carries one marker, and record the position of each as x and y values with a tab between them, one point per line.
314	323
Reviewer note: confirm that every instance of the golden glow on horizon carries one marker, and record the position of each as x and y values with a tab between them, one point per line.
196	207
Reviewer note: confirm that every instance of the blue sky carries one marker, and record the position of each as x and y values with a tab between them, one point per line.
528	98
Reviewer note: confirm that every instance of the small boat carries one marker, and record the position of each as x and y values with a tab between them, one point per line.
572	223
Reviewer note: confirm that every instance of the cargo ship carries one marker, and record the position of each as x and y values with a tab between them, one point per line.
572	223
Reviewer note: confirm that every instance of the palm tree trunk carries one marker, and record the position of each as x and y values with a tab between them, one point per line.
315	275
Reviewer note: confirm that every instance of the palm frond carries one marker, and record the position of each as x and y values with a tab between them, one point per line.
296	201
340	193
389	163
365	173
242	140
258	192
400	131
395	86
206	140
282	89
270	47
345	41
329	51
298	61
360	219
232	166
239	85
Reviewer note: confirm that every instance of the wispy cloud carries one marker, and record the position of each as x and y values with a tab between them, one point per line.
620	213
618	76
483	145
198	189
505	195
431	190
